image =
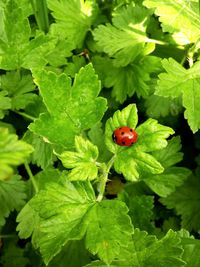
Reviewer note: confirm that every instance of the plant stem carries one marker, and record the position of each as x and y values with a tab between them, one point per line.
41	14
24	115
104	178
31	177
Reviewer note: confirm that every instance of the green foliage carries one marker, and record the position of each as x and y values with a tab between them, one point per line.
179	81
12	196
82	162
78	107
13	152
71	73
151	137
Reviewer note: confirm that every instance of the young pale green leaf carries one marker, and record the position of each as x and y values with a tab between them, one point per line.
42	155
152	136
5	103
126	117
13	152
127	80
12	196
109	229
16	48
19	87
125	38
179	17
147	250
73	19
82	162
133	163
185	200
71	108
179	81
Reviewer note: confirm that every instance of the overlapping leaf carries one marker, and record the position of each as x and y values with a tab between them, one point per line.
16	48
73	19
72	109
5	103
178	81
82	162
185	200
147	250
165	183
180	17
127	80
12	196
19	88
13	152
125	38
151	137
75	212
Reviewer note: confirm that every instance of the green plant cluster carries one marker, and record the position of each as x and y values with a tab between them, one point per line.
71	73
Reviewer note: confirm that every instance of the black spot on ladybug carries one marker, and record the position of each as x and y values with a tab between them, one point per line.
131	130
122	133
123	143
120	128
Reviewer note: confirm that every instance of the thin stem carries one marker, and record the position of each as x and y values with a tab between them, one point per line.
104	178
31	177
41	14
25	115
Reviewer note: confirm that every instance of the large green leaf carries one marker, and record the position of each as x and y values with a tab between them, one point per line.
72	109
179	81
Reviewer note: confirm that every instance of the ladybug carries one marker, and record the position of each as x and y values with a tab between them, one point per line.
124	136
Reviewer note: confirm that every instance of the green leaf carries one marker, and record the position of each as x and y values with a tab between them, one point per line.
13	255
16	48
5	103
126	117
96	135
75	213
82	162
185	200
74	252
127	80
180	18
12	196
137	162
19	87
13	152
72	109
73	19
165	183
42	155
151	137
159	106
147	250
170	155
109	229
125	38
179	81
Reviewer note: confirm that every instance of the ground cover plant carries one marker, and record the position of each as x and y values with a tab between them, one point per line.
99	133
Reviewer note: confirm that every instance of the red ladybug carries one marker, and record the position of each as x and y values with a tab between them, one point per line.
124	136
